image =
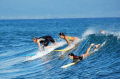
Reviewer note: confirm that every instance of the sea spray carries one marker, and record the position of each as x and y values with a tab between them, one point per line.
46	51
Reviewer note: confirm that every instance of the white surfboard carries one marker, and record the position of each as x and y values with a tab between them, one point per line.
70	64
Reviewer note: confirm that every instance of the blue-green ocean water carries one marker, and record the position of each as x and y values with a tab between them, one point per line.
16	43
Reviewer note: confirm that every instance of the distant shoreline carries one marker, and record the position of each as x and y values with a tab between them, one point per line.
63	18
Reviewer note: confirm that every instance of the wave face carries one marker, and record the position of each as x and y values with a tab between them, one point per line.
16	46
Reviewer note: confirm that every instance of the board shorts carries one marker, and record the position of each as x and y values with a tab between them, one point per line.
48	39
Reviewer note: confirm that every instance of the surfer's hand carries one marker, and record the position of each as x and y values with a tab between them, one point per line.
40	50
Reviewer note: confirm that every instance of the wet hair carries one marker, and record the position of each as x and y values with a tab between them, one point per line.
71	54
62	34
35	38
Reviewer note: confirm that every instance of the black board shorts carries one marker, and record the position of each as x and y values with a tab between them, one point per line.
48	39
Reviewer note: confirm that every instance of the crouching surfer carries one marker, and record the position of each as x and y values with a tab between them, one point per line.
44	41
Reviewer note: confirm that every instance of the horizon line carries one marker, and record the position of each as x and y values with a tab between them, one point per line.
53	18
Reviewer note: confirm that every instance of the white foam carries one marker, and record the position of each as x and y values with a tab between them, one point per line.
47	50
9	62
9	71
116	33
88	32
91	30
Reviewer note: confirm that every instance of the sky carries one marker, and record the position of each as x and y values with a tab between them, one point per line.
48	9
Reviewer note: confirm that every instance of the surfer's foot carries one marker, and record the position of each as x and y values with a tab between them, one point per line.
96	46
